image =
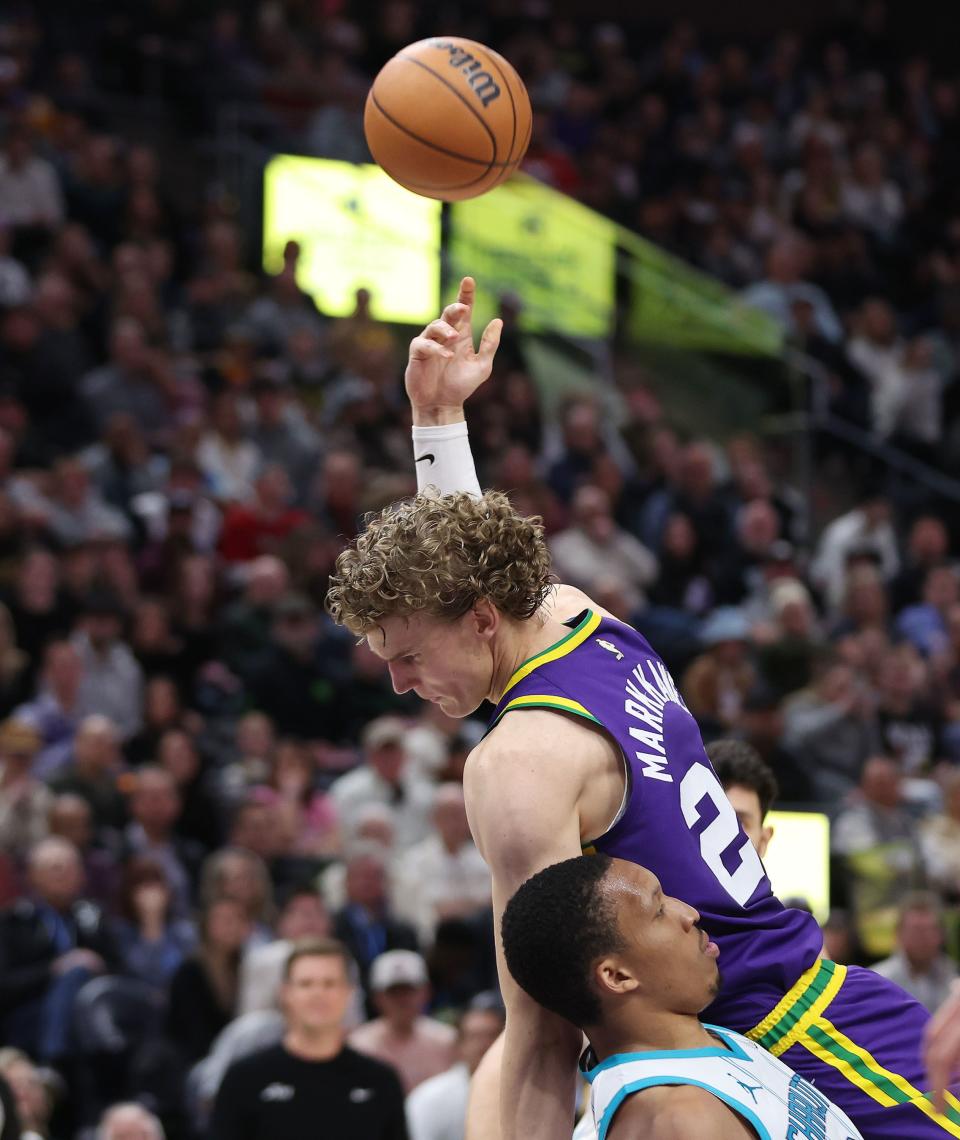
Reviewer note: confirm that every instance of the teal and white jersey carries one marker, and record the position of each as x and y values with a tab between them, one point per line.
776	1102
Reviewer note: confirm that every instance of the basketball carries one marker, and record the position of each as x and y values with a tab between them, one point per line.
448	118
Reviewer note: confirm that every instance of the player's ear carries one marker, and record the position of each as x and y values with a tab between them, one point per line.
766	834
614	977
485	617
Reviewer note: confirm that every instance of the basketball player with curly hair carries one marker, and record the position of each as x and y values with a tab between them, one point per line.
591	748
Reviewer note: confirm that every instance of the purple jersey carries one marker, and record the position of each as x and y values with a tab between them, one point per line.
675	819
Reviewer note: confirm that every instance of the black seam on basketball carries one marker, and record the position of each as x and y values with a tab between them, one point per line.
435	146
513	105
463	99
448	186
458	185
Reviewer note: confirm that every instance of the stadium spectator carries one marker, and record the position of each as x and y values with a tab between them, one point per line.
24	800
718	681
443	876
313	1073
129	1122
787	261
94	772
750	786
365	923
203	991
927	545
151	940
240	874
418	1047
595	547
155	807
259	525
386	777
303	915
919	963
876	838
437	1108
112	682
51	944
294	685
55	711
864	531
940	840
27	1102
832	727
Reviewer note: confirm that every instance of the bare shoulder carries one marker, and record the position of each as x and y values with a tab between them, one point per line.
677	1112
515	770
568	601
527	744
565	767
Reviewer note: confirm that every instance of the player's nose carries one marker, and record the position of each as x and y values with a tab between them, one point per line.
689	915
400	678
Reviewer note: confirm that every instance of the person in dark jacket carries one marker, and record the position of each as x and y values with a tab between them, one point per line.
51	944
365	924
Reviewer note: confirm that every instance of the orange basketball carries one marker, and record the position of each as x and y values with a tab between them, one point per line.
448	118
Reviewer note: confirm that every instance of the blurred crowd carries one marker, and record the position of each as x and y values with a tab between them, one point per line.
197	769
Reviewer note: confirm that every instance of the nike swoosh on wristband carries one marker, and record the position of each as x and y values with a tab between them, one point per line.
429	455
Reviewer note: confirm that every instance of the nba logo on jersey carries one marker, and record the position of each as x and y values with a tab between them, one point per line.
610	648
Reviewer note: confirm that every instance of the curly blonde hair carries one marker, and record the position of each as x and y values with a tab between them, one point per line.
438	555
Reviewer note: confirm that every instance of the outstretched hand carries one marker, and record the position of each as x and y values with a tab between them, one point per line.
941	1047
443	369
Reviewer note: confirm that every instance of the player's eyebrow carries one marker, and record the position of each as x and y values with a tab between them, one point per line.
656	897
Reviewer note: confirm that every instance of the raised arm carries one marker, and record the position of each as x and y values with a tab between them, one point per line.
443	372
523	813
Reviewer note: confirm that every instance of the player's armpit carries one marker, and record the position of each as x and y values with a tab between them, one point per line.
677	1112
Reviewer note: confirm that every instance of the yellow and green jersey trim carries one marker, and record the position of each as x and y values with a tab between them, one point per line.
567	644
799	1018
545	701
575	638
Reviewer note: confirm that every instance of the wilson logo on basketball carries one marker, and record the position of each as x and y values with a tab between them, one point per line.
484	85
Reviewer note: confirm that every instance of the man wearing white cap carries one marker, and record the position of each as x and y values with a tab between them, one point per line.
386	777
418	1047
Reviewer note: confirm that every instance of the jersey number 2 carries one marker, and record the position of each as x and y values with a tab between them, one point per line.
718	836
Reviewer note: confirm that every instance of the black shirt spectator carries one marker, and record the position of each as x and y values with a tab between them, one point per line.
311	1084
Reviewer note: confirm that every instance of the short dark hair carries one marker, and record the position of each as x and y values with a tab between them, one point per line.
737	762
320	948
559	922
920	902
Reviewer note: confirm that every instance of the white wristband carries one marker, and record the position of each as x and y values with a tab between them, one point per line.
443	459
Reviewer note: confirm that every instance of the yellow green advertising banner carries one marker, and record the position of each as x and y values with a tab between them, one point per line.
557	256
357	229
360	229
673	304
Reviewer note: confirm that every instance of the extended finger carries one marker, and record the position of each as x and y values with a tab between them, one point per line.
490	341
422	348
468	292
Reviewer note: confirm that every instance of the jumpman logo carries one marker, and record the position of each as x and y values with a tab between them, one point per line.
751	1089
